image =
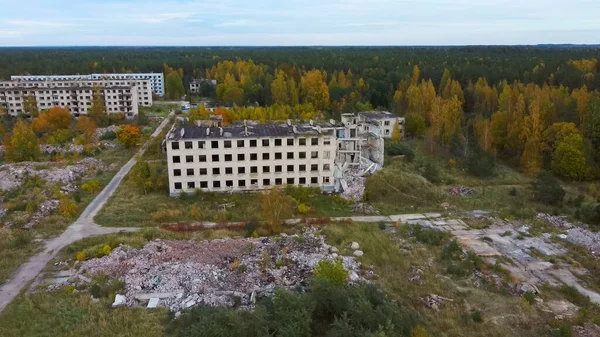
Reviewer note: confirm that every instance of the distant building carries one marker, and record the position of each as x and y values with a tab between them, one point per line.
377	122
249	157
195	84
120	96
156	80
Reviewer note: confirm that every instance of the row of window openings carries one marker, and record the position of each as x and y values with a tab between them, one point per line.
253	169
253	143
242	183
253	156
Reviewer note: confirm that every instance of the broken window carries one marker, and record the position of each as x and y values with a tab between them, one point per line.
215	157
266	182
176	159
216	170
302	155
254	169
204	184
177	173
241	170
191	185
278	181
326	141
302	181
326	167
175	145
314	167
386	123
290	155
314	154
229	170
290	181
201	144
325	180
314	180
227	144
278	168
177	186
229	183
290	168
214	144
241	183
387	132
228	157
241	157
326	154
240	143
265	142
202	158
188	145
203	171
189	172
302	168
254	182
290	141
189	159
266	169
265	156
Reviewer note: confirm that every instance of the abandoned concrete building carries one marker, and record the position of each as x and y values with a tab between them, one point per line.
251	156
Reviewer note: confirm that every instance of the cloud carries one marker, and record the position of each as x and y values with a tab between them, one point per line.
240	23
164	17
38	23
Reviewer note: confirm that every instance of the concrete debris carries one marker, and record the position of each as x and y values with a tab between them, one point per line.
358	253
153	303
354	245
225	272
119	300
416	274
363	208
461	191
434	301
582	236
563	236
101	131
13	175
556	221
587	330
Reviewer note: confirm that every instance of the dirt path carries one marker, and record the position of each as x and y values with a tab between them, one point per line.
83	227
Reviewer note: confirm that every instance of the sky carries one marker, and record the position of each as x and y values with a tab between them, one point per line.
297	22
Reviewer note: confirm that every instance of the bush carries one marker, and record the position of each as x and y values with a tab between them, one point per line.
432	173
66	207
303	209
80	256
590	214
109	135
91	186
480	163
399	149
333	272
513	192
104	251
428	236
547	190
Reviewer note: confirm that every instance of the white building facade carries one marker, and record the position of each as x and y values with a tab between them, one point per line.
249	158
378	122
156	80
120	96
196	83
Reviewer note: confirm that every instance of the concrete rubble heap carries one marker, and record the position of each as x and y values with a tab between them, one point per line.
461	191
575	235
223	272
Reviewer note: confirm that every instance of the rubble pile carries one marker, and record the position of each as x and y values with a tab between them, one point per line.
556	221
461	191
356	191
434	301
13	175
101	131
224	272
582	236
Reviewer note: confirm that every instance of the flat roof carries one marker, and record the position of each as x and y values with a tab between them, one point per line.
240	131
377	114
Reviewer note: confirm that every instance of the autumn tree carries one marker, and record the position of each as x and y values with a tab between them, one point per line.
143	176
314	90
87	128
275	206
174	89
22	144
396	133
97	111
416	76
57	118
533	128
414	125
446	78
199	113
30	106
3	111
280	89
483	131
128	135
568	160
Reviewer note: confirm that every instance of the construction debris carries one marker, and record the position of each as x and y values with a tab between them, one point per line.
434	301
119	300
556	221
461	191
224	272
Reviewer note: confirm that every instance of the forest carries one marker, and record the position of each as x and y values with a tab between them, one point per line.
535	108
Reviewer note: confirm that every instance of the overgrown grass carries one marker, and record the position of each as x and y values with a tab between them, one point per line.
16	246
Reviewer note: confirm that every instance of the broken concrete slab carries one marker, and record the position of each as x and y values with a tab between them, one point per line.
119	300
405	217
153	303
149	296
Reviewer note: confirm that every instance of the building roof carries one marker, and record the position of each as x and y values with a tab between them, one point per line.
376	114
240	131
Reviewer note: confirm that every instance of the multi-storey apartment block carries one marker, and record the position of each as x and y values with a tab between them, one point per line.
249	157
196	83
76	95
378	122
156	81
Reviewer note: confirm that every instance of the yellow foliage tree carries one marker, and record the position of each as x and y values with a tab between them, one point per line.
128	135
275	206
87	128
314	90
396	133
22	145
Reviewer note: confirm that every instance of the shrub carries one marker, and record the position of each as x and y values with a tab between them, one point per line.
303	209
80	256
66	207
428	236
77	196
333	272
529	297
250	227
513	192
476	315
109	135
91	186
418	331
590	214
399	149
480	163
547	190
104	251
128	135
432	173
